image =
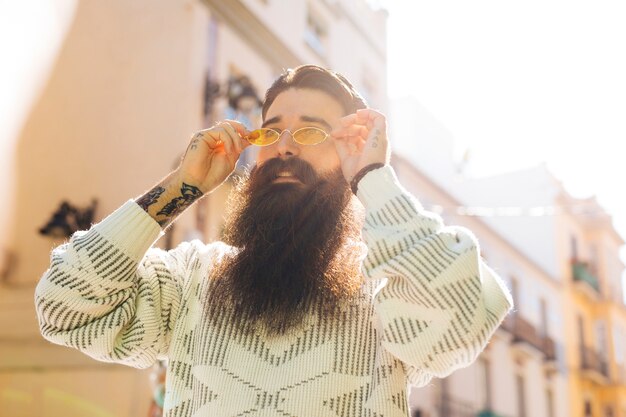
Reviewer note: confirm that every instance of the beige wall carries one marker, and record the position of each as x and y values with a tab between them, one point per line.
606	307
111	120
119	102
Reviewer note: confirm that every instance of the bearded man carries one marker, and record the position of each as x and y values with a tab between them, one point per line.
333	291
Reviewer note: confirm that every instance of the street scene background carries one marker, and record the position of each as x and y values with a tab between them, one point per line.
504	118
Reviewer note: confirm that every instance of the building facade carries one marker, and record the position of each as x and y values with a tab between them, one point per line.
575	241
522	372
109	113
562	351
588	246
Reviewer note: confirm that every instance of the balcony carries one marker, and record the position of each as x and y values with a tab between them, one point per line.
525	333
488	413
620	375
549	349
451	407
583	277
594	365
455	407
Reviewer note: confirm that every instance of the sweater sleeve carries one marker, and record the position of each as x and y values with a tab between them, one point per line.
109	294
439	303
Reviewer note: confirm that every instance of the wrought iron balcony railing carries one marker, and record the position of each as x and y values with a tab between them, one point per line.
620	374
524	332
593	361
582	273
488	413
454	407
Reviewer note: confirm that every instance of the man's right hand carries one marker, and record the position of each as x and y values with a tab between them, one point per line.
210	158
212	155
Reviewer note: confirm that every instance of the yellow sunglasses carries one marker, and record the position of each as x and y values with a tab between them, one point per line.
303	136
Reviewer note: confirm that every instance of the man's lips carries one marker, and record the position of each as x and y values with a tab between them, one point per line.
286	177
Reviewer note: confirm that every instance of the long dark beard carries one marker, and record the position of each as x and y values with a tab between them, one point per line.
294	248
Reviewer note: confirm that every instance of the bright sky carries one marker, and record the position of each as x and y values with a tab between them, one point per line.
522	82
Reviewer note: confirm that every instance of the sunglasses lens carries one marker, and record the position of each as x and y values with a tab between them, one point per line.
262	137
309	136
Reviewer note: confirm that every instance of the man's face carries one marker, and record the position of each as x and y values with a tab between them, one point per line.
292	221
297	108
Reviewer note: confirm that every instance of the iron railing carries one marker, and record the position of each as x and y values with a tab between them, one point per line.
524	332
582	273
591	360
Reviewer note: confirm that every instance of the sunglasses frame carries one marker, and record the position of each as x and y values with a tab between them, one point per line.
292	134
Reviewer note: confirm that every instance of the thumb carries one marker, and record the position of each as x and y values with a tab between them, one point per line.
344	148
346	151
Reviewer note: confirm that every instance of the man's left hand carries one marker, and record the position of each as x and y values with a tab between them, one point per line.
360	140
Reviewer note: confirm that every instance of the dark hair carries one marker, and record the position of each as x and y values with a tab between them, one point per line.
314	77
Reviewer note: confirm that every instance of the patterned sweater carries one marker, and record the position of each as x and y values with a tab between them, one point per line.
428	307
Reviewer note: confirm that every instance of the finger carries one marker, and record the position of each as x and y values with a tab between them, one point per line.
354	143
344	149
369	114
348	120
211	137
361	116
353	120
358	141
234	137
223	140
364	119
223	136
370	117
239	127
241	133
352	130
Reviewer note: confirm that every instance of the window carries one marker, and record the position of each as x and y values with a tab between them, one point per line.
601	339
521	396
608	411
315	33
544	317
574	247
550	402
368	90
594	260
484	382
588	409
619	335
581	331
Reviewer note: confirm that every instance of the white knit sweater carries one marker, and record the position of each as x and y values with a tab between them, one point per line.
428	307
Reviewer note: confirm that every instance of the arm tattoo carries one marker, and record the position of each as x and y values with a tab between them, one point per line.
150	197
376	138
189	194
196	139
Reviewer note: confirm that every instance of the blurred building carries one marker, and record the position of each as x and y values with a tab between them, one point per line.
110	95
522	371
577	238
588	246
562	352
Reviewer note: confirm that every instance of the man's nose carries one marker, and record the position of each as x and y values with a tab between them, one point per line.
286	146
